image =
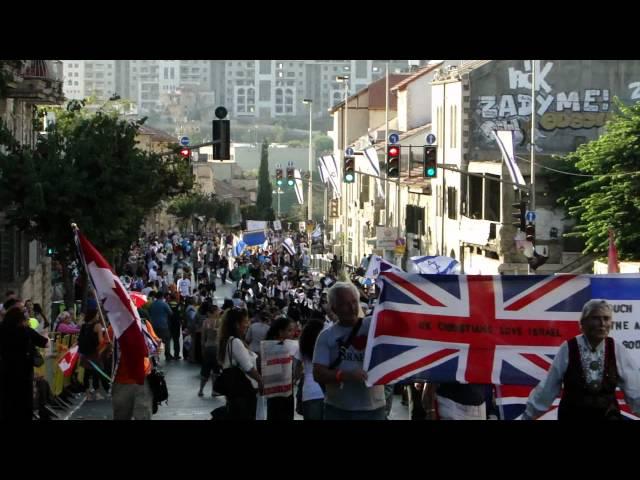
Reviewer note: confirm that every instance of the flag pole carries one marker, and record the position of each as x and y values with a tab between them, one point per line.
76	230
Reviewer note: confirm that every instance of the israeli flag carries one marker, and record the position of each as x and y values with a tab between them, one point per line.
324	175
239	248
435	265
254	238
505	142
377	265
288	244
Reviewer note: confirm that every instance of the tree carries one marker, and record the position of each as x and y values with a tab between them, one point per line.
263	202
322	144
610	199
87	170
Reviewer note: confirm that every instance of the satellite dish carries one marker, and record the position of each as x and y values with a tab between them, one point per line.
220	112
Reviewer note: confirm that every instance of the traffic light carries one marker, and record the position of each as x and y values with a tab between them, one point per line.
185	153
393	161
51	251
290	177
221	140
430	169
519	214
279	179
349	169
530	232
333	208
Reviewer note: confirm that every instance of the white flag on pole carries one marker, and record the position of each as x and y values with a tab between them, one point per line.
298	186
504	138
371	165
332	170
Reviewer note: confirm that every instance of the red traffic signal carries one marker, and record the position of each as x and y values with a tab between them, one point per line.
279	179
185	152
393	161
290	176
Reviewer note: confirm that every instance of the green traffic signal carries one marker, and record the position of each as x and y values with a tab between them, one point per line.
290	182
430	172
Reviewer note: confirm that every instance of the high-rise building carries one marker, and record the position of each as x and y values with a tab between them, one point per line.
85	78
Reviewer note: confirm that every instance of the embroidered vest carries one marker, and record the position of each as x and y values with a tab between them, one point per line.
589	402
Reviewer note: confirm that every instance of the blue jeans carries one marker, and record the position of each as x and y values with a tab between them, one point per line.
333	413
313	409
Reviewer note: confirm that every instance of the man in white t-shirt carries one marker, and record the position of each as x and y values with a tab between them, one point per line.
153	274
184	286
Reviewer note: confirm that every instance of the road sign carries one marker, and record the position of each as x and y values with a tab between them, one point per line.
394	138
530	216
431	139
184	141
349	151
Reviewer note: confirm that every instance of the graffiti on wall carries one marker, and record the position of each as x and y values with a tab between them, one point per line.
555	110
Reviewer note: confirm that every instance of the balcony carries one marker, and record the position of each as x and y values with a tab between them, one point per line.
38	82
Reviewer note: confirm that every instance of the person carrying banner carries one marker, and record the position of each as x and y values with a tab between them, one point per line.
338	361
588	368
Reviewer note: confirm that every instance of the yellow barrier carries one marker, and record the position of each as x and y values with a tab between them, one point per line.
59	345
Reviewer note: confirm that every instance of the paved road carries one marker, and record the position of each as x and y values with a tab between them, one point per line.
183	381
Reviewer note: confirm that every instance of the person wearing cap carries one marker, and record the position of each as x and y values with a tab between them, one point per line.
588	368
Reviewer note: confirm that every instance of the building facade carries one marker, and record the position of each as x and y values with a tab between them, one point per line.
24	268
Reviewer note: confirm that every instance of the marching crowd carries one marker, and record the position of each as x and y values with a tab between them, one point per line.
321	323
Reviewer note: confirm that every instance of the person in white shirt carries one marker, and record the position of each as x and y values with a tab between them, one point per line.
312	395
184	286
153	274
233	351
588	368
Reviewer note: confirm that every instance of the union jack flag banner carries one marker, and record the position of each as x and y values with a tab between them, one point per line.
502	330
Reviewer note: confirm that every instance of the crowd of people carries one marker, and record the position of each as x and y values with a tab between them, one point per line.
321	321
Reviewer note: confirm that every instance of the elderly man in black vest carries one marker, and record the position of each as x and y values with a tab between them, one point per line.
589	367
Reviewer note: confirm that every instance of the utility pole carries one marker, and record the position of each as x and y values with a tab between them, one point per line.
386	145
532	193
310	194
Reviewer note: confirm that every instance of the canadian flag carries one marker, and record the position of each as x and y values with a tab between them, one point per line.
68	362
120	309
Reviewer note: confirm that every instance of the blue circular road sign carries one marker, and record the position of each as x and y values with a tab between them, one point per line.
184	141
394	138
431	139
349	151
531	216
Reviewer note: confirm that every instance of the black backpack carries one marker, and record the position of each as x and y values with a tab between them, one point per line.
87	340
158	387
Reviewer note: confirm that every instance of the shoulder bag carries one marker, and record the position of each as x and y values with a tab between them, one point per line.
233	382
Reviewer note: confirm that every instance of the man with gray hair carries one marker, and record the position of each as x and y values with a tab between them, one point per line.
338	359
589	367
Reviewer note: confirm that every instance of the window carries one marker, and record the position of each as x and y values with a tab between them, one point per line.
230	64
75	84
265	67
453	110
70	82
265	90
280	75
474	197
452	196
492	198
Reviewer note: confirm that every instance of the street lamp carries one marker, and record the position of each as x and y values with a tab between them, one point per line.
308	101
344	79
278	192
